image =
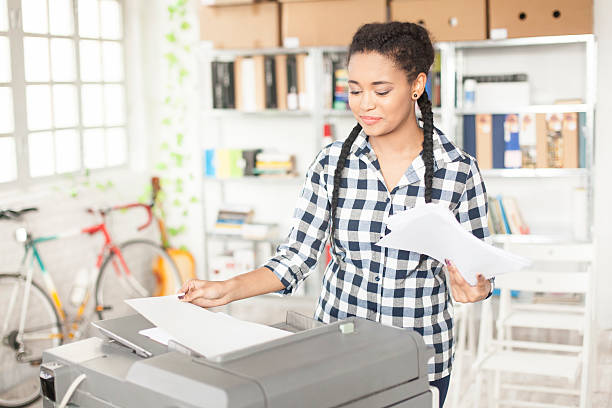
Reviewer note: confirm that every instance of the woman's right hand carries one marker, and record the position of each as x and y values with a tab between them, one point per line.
205	293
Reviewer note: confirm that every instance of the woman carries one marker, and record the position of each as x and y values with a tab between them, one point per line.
387	164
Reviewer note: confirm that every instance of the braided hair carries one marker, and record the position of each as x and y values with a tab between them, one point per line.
408	45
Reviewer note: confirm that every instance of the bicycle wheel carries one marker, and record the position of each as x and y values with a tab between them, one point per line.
132	275
19	371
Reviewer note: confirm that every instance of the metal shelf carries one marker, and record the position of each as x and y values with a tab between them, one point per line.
535	173
214	53
526	41
223	113
257	179
238	237
557	108
532	239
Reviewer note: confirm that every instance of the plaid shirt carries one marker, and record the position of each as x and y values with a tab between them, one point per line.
369	281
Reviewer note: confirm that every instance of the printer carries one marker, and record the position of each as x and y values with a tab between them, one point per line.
350	363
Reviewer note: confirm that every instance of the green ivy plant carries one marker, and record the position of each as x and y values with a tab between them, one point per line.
174	159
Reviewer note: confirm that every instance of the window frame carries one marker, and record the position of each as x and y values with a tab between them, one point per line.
18	86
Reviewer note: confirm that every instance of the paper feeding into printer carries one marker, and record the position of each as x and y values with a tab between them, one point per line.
204	332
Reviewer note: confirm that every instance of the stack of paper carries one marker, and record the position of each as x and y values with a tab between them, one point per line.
433	230
198	329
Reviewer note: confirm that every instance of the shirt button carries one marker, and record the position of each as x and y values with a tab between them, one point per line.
377	279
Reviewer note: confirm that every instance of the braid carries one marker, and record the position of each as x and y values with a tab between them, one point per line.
428	157
346	147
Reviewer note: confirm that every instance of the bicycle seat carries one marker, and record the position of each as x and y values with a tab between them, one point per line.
8	214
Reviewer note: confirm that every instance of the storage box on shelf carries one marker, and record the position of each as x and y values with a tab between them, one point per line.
447	20
527	18
308	23
241	25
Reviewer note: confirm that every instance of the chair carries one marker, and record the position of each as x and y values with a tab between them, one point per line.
572	274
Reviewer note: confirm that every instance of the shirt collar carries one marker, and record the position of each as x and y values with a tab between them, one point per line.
444	150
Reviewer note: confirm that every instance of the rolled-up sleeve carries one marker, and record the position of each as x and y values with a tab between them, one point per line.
297	256
472	211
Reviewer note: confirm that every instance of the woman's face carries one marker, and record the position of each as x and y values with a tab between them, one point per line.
379	93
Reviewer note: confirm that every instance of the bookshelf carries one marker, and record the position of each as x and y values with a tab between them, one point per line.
300	131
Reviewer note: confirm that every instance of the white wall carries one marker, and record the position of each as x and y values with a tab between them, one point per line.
603	163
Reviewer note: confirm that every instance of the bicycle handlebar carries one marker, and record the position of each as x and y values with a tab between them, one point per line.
145	206
15	214
104	211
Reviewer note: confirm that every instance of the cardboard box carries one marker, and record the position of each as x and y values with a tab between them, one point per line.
528	18
446	20
241	26
307	23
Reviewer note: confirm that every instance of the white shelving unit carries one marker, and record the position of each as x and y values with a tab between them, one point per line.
231	128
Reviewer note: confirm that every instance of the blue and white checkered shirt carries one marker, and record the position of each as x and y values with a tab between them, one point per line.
369	281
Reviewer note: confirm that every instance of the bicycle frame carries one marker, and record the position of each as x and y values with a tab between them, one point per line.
32	254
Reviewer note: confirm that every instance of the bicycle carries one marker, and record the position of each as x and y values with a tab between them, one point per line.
32	318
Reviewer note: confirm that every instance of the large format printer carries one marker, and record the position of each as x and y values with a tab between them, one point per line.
351	363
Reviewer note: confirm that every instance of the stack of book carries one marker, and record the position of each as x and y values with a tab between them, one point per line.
237	220
231	219
505	217
260	82
234	163
530	140
274	164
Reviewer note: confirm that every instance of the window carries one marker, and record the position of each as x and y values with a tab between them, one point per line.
62	89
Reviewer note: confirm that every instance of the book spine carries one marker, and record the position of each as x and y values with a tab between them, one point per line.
484	141
281	81
512	150
499	144
292	83
503	215
270	72
469	134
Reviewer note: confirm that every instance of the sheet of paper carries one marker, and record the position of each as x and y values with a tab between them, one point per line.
432	229
201	330
157	334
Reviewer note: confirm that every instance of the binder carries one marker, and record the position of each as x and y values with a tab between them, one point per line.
499	145
280	62
569	133
469	135
484	141
270	79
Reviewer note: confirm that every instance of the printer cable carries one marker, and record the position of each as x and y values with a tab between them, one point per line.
71	390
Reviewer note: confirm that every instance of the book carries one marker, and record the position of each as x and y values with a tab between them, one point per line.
503	215
569	133
209	163
239	104
554	140
484	141
541	140
292	83
259	78
512	150
270	81
469	135
499	144
280	66
302	89
528	140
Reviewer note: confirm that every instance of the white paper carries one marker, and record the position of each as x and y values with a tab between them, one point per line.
433	230
201	330
157	334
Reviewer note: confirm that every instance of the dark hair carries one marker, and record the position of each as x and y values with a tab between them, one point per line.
408	45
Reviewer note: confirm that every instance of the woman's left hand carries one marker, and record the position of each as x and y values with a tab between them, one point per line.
462	291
